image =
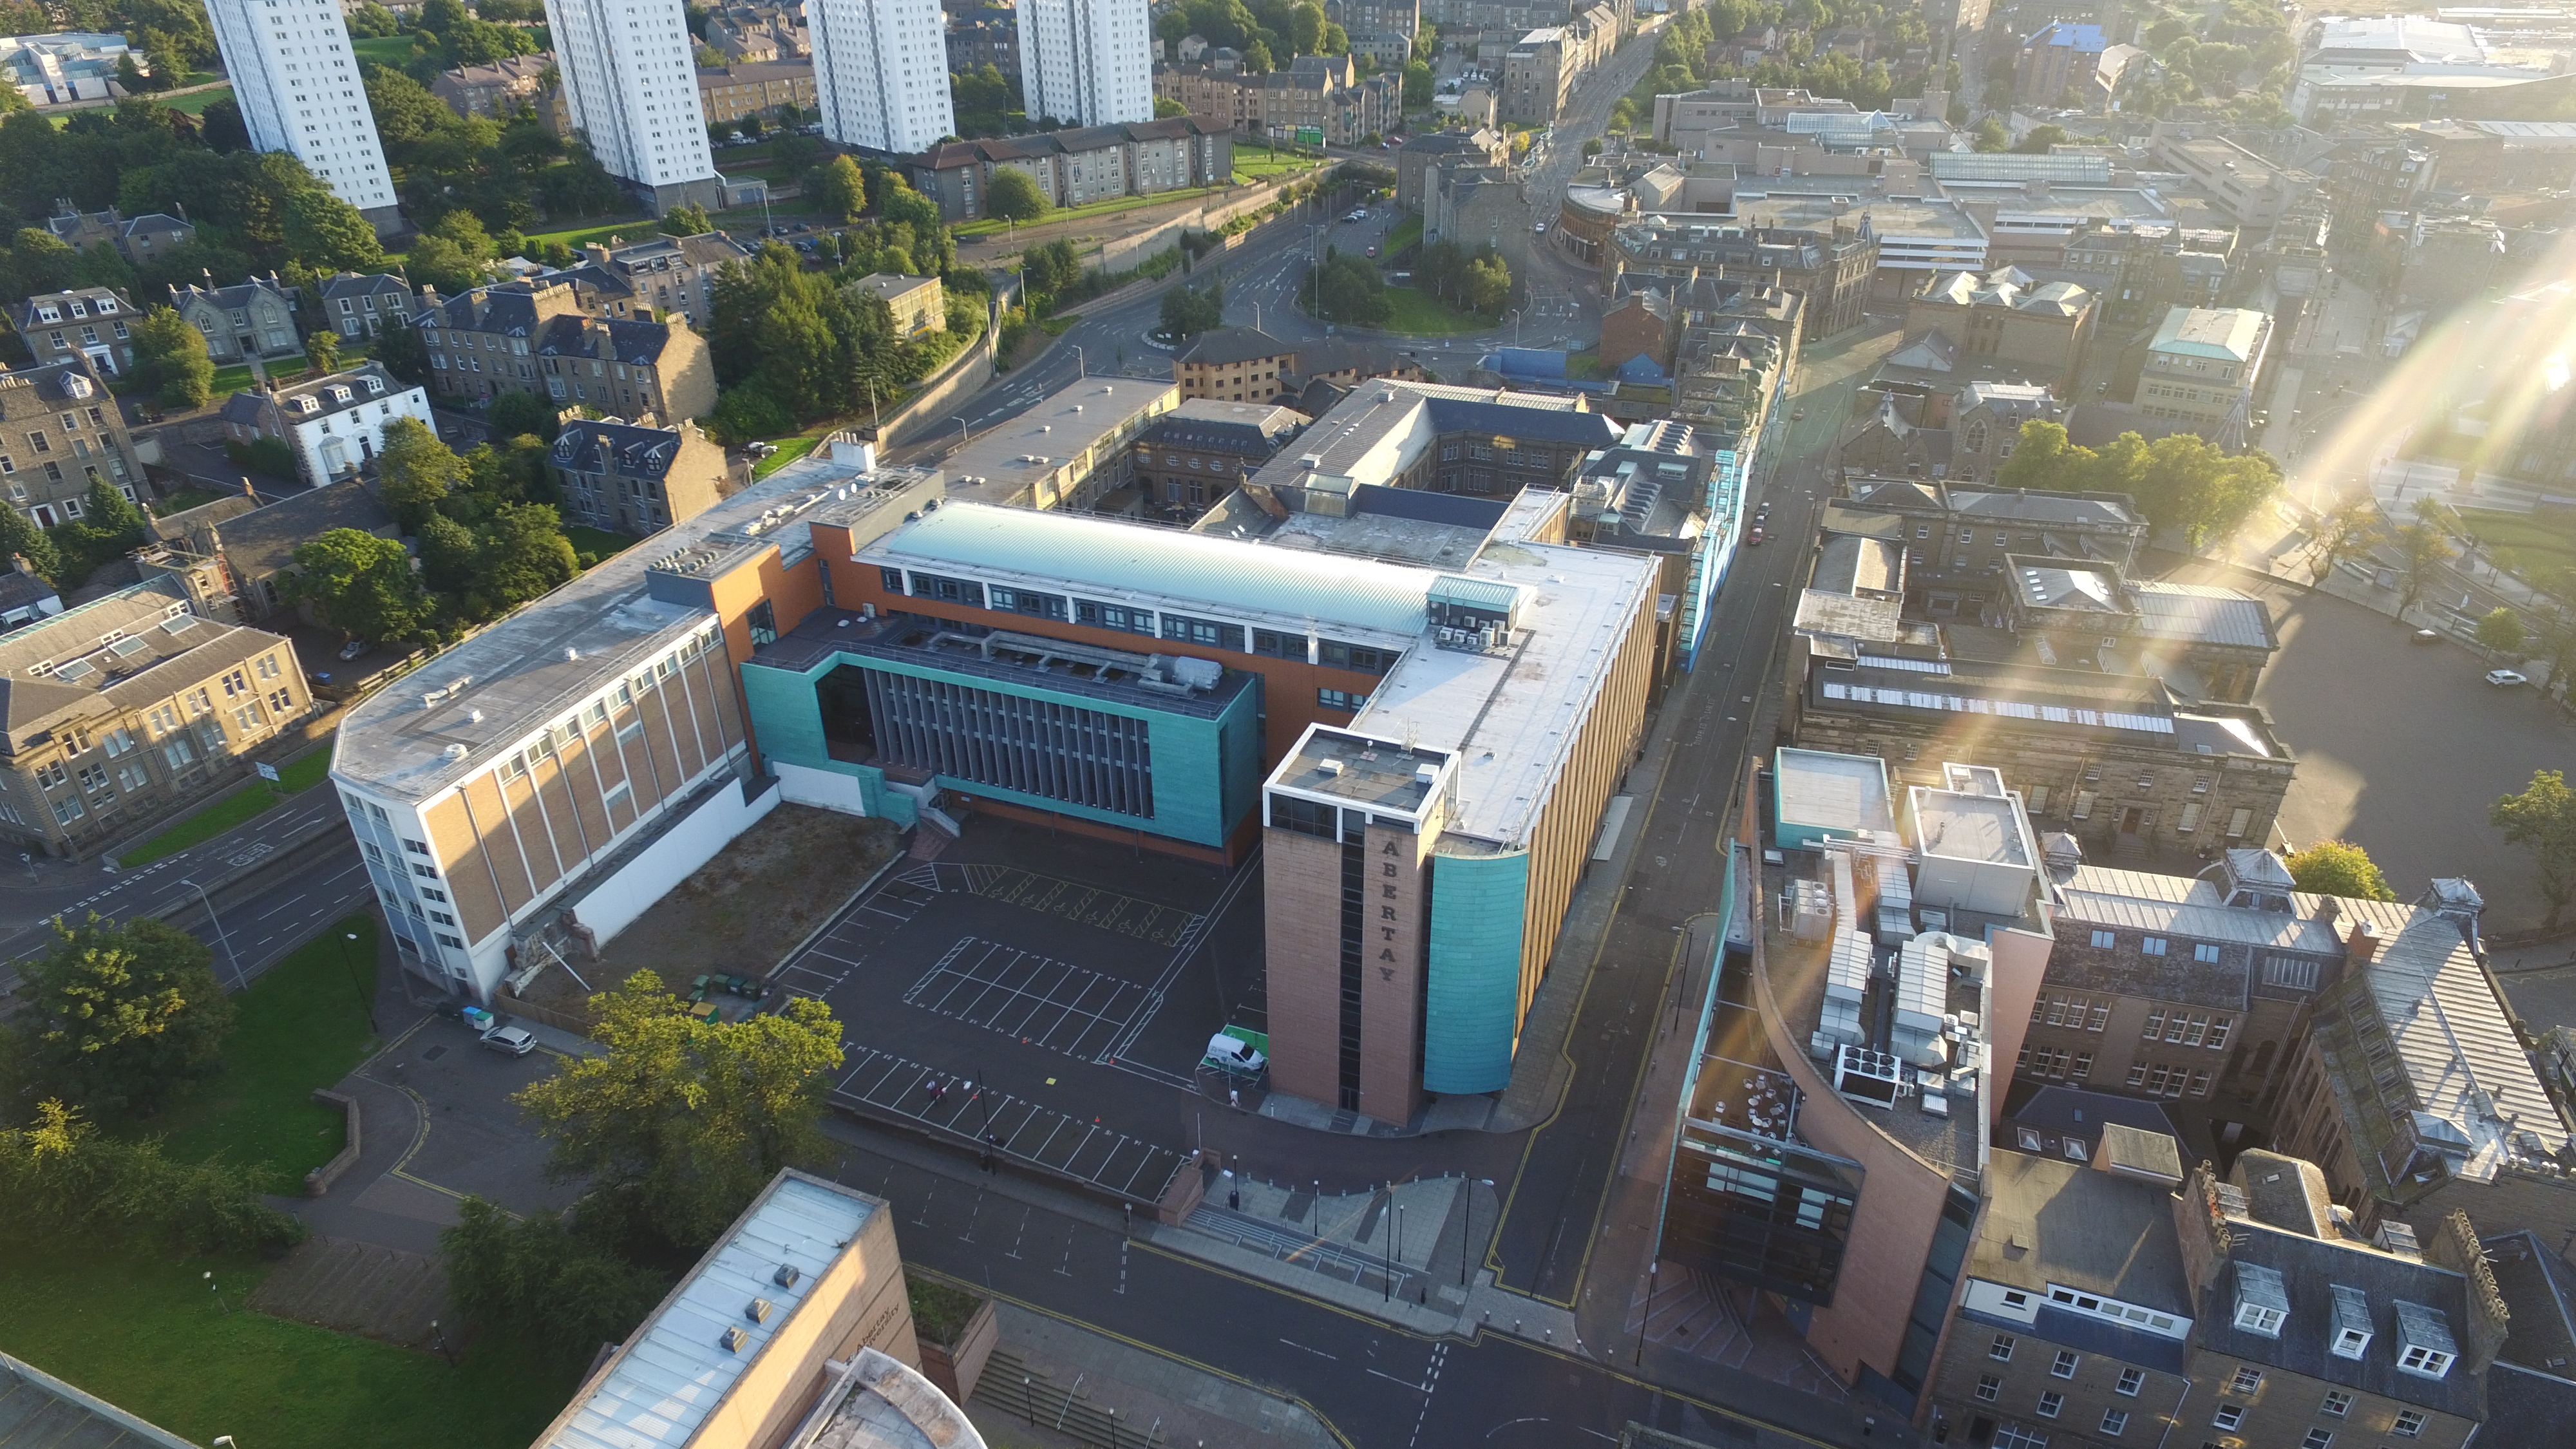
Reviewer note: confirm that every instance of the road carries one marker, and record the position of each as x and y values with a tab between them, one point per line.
1376	1386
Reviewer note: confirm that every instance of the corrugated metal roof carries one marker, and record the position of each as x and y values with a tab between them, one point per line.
1076	549
673	1372
2185	906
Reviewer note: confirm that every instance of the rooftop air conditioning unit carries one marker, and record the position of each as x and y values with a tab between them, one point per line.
1330	767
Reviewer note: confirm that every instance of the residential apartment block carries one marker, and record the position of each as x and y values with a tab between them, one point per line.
61	432
880	73
498	90
91	322
1087	62
1541	71
1236	364
1324	94
643	280
638	479
535	337
1073	168
630	88
296	80
1830	269
1196	454
123	707
728	94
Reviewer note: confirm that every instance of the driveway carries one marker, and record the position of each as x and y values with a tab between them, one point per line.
2401	748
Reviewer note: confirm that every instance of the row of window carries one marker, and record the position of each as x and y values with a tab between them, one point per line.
1135	619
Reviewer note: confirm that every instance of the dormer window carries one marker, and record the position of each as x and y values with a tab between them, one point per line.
2424	1344
106	305
2262	1300
49	313
342	395
2351	1322
375	385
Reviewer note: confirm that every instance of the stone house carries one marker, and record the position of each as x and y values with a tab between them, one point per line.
497	90
2006	317
915	302
233	553
638	478
250	320
363	306
90	322
60	432
1190	458
141	240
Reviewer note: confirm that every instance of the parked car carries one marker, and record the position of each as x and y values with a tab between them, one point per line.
354	648
1231	1053
2505	678
513	1040
2425	636
1372	251
1754	538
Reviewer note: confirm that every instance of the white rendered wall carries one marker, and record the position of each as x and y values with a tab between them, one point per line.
631	83
1087	62
881	72
611	905
298	86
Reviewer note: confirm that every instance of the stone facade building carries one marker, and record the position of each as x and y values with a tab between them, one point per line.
497	90
2004	317
1076	167
253	319
121	708
642	280
90	322
755	89
1830	269
60	432
636	478
536	337
1190	458
1958	535
362	306
141	240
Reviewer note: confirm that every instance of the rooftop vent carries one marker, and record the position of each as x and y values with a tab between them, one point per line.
758	1310
1423	775
1330	767
571	654
454	752
732	1340
786	1275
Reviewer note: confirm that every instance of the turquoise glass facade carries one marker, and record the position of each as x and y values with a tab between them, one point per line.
1478	904
1206	768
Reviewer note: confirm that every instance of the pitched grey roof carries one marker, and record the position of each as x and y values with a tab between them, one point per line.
1236	344
24	313
262	541
353	284
612	445
2310	1270
629	341
39	1411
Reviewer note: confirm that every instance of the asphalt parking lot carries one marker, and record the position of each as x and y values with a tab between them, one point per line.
1050	995
2402	747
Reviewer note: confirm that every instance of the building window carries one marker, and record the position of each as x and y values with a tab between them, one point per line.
2064	1366
2317	1439
2083	806
2432	1363
1341	699
1026	601
1989	1388
2001	1349
1206	632
2050	1403
1355	657
2338	1403
2409	1425
2104	940
2205	953
2114	1421
947	590
1270	645
1113	616
2247	1381
2014	1436
2132	1380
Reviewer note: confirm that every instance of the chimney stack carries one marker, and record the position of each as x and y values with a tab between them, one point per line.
2361	947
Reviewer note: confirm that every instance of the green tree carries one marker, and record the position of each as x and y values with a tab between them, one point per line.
120	1017
415	470
2353	526
2502	633
1417	85
2338	868
328	235
523	414
524	554
840	193
2542	820
1991	136
1189	311
688	220
322	349
2041	140
374	21
1165	108
1050	269
679	1123
435	261
1305	30
2423	550
63	1179
359	584
447	562
111	512
170	359
21	538
557	1284
1013	196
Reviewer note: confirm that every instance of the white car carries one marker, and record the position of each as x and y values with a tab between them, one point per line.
2505	678
514	1040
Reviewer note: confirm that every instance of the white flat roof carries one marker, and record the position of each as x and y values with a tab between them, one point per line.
1834	791
672	1371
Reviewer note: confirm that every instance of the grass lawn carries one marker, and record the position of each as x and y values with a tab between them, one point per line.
1057	326
302	1026
991	227
230	380
2540	542
244	804
1407	233
597	542
187	498
789	450
1423	314
1257	165
390	50
139	1329
195	102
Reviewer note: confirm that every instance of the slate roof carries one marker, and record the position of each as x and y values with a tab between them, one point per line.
240	294
509	309
354	284
2057	1113
1227	345
1065	143
365	384
131	674
259	542
1250	435
24	313
613	445
629	341
2311	1269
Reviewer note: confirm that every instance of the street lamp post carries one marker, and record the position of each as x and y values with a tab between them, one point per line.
965	435
238	982
1079	371
366	999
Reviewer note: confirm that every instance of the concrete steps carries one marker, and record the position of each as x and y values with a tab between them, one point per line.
360	1288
